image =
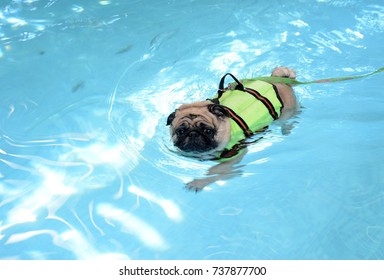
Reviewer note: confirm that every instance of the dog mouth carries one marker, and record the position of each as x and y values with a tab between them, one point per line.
197	139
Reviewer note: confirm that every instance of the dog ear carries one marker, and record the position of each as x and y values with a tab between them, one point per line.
218	110
170	118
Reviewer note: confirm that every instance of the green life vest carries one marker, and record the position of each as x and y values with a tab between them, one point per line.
252	105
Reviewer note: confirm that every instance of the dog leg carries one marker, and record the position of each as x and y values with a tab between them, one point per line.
220	172
285	91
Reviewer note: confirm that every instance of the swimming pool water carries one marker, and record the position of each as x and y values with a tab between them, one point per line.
86	164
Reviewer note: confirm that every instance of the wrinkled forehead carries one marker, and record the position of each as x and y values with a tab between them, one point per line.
194	112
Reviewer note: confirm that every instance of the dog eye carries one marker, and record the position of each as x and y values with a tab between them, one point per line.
209	131
180	131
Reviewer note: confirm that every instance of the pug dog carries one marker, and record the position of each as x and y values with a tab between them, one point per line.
203	129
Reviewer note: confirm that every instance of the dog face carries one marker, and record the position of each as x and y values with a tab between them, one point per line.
200	128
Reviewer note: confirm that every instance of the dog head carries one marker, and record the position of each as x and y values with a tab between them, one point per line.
200	128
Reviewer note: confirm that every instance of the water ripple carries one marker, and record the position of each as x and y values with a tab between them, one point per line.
371	19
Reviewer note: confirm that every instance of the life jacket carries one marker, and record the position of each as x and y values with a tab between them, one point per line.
252	105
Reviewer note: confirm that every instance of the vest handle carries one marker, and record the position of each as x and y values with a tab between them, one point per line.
221	89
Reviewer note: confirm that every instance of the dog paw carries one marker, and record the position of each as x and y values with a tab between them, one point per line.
284	72
196	185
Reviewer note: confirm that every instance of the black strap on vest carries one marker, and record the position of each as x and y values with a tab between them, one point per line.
232	152
253	92
265	101
235	117
239	121
239	86
221	90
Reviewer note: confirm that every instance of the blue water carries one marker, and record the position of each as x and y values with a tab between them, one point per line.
86	163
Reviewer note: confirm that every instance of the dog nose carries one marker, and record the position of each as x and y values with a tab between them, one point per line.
193	134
